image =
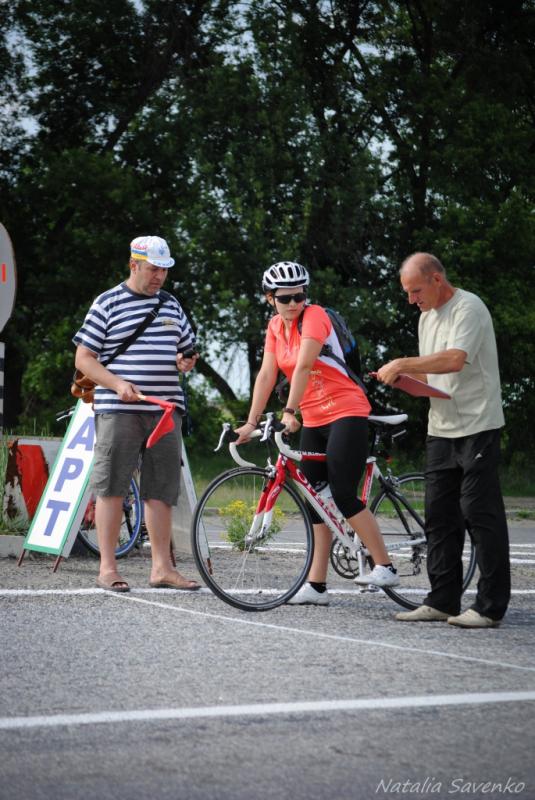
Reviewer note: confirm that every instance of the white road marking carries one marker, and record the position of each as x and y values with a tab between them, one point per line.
320	635
265	709
269	626
205	591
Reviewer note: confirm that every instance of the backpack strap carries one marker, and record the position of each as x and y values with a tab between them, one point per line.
327	351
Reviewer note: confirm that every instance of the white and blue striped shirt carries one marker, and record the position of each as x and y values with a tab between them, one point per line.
150	361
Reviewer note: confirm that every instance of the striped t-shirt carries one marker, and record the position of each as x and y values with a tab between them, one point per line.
150	361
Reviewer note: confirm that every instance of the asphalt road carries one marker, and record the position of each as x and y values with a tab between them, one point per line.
168	695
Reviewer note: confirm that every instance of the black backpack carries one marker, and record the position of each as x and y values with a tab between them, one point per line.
350	362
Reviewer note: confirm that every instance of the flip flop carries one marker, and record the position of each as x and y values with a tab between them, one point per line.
112	583
179	582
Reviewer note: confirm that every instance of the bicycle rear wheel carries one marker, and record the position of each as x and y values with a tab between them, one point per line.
130	525
249	572
400	513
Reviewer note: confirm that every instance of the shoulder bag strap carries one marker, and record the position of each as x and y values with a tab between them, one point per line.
153	313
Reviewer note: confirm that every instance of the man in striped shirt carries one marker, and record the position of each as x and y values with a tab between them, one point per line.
149	366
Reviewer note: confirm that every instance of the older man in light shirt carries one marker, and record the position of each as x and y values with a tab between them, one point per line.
458	348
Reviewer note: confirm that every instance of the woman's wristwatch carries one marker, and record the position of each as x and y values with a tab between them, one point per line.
288	411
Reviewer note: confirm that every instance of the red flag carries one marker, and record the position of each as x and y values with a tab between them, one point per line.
166	423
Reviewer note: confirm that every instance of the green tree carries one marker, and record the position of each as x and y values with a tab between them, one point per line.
344	134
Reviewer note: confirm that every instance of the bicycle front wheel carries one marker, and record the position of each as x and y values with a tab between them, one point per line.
247	570
130	524
400	514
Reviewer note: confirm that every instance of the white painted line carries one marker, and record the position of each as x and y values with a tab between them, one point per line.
74	592
266	709
353	591
330	636
516	545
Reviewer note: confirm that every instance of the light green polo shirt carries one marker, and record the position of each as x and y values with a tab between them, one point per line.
463	323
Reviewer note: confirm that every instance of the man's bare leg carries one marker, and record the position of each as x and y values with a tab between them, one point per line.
158	518
108	517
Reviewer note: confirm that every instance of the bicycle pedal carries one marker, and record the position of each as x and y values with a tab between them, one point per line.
371	589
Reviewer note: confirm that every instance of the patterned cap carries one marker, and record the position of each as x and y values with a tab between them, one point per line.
153	249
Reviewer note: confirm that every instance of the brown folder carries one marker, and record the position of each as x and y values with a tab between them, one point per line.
416	388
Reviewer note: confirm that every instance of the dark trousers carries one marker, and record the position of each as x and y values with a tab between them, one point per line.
462	488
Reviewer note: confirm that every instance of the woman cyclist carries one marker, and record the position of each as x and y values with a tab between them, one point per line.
335	419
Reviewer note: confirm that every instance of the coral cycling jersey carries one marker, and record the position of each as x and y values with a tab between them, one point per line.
330	394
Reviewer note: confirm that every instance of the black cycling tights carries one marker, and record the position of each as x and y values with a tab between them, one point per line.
346	443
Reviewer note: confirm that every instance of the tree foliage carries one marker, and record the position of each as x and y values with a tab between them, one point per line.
345	134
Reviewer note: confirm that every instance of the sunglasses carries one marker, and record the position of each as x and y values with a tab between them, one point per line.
286	299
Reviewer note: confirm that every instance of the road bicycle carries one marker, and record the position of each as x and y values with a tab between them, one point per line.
252	535
133	532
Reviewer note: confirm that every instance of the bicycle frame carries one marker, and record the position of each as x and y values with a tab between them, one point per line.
285	468
398	500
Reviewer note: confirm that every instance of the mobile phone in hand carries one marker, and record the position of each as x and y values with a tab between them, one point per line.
189	353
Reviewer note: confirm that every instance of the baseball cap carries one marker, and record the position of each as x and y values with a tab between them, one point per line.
153	249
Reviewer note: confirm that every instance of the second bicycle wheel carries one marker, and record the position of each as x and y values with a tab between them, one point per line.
400	514
130	524
250	572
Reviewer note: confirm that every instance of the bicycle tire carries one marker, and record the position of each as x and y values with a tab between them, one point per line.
130	525
401	515
259	574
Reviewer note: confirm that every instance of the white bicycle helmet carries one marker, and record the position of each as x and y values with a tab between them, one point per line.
284	275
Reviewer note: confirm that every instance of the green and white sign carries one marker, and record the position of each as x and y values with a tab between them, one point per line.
62	506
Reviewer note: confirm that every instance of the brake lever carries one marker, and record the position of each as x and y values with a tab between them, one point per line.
267	426
225	430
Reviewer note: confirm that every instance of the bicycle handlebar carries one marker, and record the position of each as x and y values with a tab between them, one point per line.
268	428
272	427
233	447
296	455
68	412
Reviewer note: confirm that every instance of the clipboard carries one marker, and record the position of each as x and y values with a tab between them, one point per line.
416	388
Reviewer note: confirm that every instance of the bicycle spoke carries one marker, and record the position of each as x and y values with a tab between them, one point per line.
246	567
400	517
130	524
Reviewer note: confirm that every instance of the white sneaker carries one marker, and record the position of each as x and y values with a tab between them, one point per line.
379	576
307	595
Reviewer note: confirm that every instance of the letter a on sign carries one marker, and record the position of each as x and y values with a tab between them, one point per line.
62	506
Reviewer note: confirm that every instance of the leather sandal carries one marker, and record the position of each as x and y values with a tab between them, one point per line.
176	582
112	582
